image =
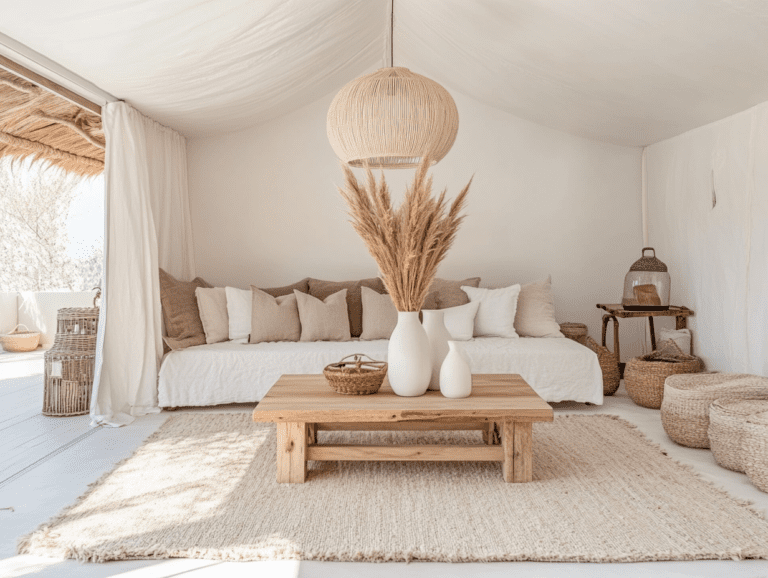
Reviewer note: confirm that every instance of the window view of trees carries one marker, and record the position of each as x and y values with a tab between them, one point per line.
38	251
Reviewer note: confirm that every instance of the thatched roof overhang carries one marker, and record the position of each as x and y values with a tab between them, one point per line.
40	124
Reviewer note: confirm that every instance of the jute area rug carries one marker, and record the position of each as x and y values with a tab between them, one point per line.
203	486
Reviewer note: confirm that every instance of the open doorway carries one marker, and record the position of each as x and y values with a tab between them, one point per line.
51	205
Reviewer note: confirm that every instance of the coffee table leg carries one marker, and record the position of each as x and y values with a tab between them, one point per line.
311	433
517	441
488	433
523	454
291	452
508	445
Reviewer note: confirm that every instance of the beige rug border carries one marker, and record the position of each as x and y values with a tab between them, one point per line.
46	546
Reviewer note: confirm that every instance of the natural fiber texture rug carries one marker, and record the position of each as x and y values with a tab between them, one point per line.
203	486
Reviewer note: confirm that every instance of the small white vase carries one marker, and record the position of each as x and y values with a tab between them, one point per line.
408	356
455	376
438	342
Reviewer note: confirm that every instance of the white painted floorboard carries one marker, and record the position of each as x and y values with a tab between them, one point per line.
46	478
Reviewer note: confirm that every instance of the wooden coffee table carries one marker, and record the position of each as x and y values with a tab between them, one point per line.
302	405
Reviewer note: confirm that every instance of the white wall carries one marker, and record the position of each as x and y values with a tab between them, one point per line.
717	256
265	208
9	311
38	310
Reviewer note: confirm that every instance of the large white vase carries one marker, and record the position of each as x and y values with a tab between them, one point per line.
455	375
438	342
408	356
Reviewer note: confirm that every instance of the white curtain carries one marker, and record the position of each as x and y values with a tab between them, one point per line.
147	226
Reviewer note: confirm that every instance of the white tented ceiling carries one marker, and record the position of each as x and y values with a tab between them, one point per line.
626	71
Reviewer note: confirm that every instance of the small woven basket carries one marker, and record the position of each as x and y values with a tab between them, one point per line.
20	341
756	450
727	423
575	331
644	376
608	364
357	376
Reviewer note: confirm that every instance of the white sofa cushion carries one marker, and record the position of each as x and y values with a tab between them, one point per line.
229	372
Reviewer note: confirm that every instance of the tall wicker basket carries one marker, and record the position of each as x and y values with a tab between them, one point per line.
69	363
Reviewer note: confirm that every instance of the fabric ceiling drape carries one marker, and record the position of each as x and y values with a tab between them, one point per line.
147	226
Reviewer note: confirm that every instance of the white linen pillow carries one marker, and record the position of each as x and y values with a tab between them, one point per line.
460	320
239	310
535	315
379	315
496	311
212	305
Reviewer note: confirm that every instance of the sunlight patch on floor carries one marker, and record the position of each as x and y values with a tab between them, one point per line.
25	565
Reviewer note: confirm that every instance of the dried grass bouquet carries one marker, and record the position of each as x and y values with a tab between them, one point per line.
407	242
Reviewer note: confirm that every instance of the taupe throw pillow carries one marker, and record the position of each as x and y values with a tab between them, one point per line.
324	320
444	293
322	289
212	304
302	286
379	315
181	316
273	318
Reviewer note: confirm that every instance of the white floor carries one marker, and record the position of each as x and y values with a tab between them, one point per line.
46	463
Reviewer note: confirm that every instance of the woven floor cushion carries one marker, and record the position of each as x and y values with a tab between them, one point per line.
685	407
756	450
727	423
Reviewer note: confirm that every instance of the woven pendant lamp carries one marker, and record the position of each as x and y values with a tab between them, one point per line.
389	119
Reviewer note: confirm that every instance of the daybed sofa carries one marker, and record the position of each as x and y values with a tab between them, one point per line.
235	371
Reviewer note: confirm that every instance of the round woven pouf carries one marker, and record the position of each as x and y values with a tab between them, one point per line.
756	450
685	408
727	422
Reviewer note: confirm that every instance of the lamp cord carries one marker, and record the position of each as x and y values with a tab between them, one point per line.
392	36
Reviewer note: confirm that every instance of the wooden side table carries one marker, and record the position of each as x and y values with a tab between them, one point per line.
614	312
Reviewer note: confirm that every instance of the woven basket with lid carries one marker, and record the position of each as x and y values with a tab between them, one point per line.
357	376
69	364
575	331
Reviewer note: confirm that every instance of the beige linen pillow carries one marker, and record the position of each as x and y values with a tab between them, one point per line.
535	315
274	318
322	289
181	317
240	306
444	293
379	315
324	320
212	304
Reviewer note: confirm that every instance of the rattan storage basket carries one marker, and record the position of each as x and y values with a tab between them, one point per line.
608	364
20	341
575	331
727	423
644	376
356	377
70	362
756	450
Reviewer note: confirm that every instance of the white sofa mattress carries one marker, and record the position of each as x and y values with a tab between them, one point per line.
558	369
